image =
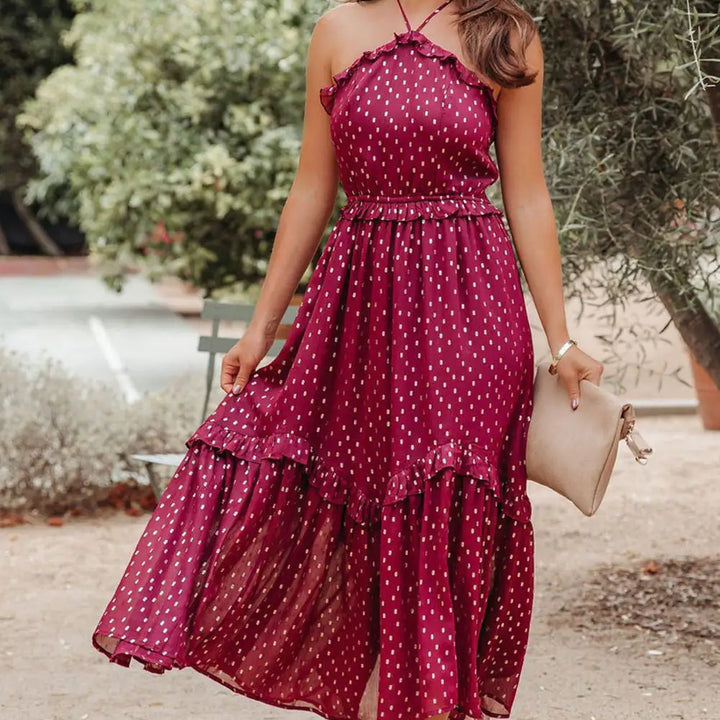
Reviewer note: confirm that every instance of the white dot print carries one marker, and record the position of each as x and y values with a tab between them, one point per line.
351	534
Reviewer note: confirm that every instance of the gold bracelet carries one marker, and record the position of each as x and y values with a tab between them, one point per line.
552	369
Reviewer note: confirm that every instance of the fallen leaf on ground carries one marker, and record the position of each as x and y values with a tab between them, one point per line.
11	519
651	567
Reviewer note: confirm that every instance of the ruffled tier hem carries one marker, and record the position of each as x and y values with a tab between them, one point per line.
123	652
247	575
158	664
462	457
426	47
403	209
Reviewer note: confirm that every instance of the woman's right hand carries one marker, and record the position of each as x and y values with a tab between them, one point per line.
574	366
242	359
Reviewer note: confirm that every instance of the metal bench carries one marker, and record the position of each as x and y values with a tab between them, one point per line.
215	344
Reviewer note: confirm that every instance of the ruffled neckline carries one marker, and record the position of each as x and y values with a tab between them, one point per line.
426	47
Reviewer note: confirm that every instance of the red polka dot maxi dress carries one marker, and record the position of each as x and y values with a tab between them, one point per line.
351	534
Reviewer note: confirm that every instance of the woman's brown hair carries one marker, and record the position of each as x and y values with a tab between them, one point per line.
485	28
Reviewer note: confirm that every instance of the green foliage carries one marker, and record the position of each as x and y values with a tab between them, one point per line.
30	48
632	160
174	139
631	156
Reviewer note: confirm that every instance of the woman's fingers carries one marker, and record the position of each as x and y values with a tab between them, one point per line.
597	372
578	367
235	373
229	371
240	361
241	378
572	384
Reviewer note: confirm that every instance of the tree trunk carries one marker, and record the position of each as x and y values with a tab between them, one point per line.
4	244
699	331
713	95
44	241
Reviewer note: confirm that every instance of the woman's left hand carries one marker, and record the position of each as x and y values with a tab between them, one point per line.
574	366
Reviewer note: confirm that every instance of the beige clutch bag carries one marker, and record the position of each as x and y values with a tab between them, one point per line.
573	451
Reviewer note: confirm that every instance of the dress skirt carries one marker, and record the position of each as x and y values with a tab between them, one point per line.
351	534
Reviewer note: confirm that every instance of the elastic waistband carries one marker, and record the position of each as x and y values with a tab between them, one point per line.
415	198
414	207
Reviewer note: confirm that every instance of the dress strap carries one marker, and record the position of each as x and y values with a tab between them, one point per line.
422	24
432	14
405	17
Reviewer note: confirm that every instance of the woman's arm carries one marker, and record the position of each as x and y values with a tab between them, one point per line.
529	211
311	198
302	221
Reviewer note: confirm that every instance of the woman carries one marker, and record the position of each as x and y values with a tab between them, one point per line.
349	531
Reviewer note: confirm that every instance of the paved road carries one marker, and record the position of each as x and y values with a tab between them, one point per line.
131	338
134	339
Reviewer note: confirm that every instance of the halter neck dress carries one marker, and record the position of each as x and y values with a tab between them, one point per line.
351	534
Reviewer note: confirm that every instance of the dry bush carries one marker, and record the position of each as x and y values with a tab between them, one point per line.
64	440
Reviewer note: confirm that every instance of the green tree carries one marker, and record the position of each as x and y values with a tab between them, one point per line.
632	160
174	138
30	48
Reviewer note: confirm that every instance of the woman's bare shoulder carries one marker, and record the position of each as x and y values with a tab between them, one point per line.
342	17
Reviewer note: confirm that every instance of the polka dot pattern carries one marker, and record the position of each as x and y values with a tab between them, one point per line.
351	534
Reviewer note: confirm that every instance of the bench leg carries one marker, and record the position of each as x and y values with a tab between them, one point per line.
154	480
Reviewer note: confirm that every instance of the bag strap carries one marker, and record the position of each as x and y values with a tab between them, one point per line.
634	440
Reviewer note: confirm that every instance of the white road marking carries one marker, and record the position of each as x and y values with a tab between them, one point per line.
113	360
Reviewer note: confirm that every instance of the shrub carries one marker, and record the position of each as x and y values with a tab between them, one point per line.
174	138
66	440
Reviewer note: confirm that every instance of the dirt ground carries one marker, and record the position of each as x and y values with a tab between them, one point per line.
56	581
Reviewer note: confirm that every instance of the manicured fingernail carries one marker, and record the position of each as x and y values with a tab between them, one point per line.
574	403
236	389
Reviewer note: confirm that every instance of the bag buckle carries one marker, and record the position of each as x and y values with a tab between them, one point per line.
638	445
